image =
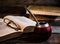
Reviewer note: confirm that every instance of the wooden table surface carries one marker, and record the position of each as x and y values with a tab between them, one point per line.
54	39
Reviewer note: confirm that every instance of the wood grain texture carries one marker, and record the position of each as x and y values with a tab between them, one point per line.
54	39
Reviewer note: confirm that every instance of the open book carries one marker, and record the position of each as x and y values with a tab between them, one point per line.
12	26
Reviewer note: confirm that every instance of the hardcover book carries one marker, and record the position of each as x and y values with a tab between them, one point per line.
13	26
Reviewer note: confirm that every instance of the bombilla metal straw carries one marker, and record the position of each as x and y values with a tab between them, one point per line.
32	15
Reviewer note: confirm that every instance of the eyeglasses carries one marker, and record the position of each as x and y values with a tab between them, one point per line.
11	24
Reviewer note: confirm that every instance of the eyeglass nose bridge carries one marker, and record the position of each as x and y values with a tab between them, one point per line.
10	21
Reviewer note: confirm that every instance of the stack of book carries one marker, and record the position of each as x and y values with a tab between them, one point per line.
44	12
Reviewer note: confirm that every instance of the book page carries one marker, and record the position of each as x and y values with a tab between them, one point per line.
22	21
4	29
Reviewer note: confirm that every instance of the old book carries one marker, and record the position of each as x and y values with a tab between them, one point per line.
44	10
7	32
13	26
